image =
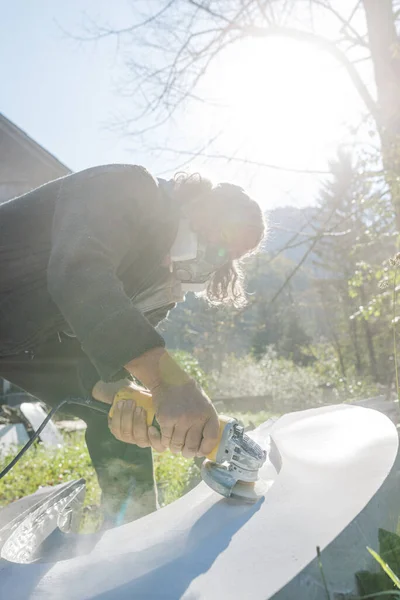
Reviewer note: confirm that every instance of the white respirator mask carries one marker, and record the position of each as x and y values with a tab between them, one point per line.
194	261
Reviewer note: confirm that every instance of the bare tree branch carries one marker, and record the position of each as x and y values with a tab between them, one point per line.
309	236
353	12
263	11
244	161
197	41
297	267
196	154
346	24
292	244
102	31
315	239
210	12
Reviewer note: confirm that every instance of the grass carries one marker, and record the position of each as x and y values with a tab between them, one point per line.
41	466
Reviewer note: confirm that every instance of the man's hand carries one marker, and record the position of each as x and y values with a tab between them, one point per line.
128	422
187	418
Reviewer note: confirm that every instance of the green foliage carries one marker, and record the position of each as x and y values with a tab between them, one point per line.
191	366
283	329
389	559
335	298
389	548
209	333
286	385
351	386
356	313
371	584
289	386
378	279
392	576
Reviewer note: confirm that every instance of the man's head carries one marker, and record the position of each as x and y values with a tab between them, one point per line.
229	226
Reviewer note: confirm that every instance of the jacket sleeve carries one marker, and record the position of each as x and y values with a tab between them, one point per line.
97	215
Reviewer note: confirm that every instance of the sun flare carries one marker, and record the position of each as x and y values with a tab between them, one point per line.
279	100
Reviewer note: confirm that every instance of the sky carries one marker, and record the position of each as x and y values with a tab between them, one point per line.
280	102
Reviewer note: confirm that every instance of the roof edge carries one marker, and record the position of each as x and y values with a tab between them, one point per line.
32	146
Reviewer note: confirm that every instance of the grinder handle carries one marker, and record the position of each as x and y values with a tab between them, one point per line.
145	400
223	421
142	399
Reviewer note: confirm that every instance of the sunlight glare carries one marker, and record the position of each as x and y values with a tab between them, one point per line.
282	100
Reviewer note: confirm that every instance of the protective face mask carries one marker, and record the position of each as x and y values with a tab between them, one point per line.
194	261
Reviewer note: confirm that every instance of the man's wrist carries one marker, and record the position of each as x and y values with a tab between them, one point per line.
105	392
156	367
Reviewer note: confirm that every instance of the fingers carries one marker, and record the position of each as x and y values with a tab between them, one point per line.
187	418
210	436
178	438
166	435
121	421
198	440
140	431
126	420
129	424
155	439
193	441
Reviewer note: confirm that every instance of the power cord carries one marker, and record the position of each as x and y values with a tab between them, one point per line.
89	402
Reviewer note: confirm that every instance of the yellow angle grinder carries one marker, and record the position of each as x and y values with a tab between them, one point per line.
232	468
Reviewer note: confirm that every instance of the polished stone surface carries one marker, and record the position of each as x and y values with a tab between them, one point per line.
334	461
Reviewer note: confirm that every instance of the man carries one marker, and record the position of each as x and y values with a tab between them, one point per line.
90	264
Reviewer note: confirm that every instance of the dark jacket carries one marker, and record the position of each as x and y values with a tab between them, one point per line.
73	253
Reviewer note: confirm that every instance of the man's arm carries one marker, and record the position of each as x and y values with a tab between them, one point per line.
95	224
187	418
94	228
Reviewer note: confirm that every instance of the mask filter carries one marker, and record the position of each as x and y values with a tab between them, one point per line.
185	245
194	262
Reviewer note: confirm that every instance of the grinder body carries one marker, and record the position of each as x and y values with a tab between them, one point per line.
232	467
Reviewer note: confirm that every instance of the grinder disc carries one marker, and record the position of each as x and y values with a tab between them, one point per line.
250	492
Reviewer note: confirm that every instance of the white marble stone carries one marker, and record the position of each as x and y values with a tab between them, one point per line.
12	436
335	460
35	414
